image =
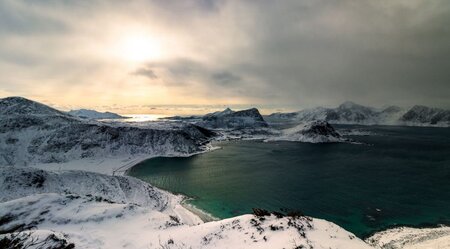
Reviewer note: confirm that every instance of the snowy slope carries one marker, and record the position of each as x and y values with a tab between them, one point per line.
92	114
228	119
96	211
19	105
411	238
351	113
426	116
310	132
32	133
18	182
346	113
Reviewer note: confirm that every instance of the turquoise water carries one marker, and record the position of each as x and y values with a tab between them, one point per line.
400	176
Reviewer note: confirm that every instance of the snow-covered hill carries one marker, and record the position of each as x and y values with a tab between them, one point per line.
228	119
32	133
411	238
310	132
426	116
351	113
89	210
23	106
24	181
92	114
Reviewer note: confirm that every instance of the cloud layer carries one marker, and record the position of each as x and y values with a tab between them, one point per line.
296	53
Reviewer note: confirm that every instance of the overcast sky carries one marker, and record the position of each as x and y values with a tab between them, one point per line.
283	53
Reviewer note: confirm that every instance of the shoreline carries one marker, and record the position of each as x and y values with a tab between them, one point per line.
207	217
200	213
194	215
422	226
197	212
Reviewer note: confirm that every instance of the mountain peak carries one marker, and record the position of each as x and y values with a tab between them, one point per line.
20	105
349	105
392	109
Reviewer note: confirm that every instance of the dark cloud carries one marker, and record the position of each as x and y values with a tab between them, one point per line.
375	52
226	78
146	72
293	52
21	19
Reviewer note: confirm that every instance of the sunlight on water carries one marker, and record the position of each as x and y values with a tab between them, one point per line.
143	117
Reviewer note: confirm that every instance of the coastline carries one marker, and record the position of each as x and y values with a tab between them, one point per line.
192	211
120	165
203	215
411	237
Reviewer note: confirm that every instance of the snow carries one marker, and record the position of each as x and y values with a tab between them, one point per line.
42	139
100	224
229	119
412	238
426	116
93	210
92	114
62	181
310	132
351	113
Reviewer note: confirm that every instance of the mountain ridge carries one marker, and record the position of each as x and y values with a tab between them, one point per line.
352	113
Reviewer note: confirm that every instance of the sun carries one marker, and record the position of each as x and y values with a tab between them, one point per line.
141	48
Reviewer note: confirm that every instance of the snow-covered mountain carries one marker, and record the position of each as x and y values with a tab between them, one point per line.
249	124
351	113
23	106
34	133
92	114
229	119
346	113
426	116
310	132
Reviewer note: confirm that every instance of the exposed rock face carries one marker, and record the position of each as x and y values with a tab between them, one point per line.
92	114
34	133
228	119
319	128
426	115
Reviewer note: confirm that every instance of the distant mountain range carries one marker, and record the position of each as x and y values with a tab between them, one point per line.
351	113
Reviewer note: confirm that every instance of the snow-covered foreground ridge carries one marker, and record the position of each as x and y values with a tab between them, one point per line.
91	210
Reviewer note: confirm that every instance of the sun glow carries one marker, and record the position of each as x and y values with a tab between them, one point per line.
141	48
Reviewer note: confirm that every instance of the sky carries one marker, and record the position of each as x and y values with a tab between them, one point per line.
185	55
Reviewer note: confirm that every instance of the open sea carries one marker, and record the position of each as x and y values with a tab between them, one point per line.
397	175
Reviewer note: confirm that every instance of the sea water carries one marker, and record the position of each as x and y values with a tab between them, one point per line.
395	175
